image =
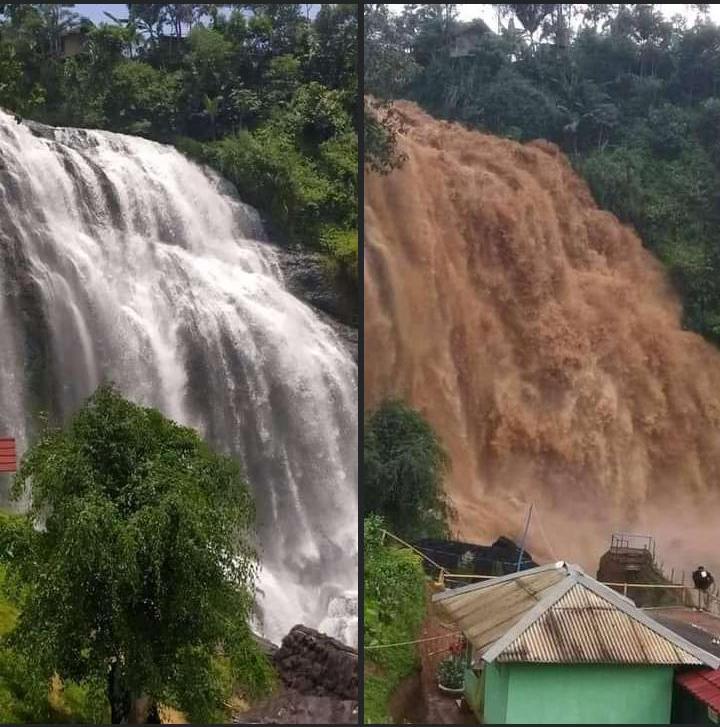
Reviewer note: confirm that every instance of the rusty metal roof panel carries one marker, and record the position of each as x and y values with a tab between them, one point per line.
484	614
558	614
583	628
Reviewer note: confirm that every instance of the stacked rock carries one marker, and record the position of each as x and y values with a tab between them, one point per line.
315	664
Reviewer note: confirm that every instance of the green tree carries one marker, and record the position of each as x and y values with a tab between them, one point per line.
211	109
137	562
58	19
382	126
142	98
404	467
530	15
10	78
389	64
334	58
149	18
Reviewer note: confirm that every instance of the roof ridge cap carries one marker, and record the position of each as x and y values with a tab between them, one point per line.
544	604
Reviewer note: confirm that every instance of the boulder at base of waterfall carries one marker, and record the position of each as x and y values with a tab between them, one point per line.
319	675
315	664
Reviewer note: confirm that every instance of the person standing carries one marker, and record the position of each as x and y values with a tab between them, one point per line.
702	578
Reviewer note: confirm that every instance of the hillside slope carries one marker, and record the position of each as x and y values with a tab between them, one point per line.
543	343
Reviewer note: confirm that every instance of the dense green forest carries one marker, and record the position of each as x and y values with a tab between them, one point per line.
632	96
264	93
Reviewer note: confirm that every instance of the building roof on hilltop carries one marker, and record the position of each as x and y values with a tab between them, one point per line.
557	614
478	25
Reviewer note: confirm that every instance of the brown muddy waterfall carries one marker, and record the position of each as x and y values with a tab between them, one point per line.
543	343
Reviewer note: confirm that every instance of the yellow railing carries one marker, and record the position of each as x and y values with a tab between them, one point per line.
712	601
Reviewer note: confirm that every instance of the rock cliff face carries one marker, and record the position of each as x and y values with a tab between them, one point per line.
544	345
308	277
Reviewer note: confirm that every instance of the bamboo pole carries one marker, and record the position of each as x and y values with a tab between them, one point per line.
413	548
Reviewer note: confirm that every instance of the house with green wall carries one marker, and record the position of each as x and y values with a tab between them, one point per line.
551	645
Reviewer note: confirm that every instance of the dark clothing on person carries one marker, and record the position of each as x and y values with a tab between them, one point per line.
702	579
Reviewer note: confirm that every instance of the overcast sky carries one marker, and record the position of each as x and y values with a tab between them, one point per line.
489	14
96	11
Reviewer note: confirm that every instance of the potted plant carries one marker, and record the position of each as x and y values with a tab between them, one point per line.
451	675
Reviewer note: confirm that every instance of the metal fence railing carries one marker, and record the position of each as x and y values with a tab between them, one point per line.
664	594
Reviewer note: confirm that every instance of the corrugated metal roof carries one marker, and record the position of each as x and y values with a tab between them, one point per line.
583	628
558	614
704	684
484	613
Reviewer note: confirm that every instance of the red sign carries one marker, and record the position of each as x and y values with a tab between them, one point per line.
8	455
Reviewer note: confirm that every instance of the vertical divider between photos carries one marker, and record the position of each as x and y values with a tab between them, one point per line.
361	352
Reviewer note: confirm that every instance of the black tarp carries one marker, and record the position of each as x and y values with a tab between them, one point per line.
453	556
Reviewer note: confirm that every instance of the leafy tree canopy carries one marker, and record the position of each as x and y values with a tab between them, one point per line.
135	566
404	466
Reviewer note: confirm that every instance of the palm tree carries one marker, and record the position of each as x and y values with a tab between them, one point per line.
180	14
149	18
131	35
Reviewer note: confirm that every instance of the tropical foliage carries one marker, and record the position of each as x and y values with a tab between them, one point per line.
404	467
393	611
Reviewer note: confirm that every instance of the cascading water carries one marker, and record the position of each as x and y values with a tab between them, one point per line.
544	345
121	260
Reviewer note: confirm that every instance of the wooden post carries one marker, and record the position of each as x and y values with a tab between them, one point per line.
625	589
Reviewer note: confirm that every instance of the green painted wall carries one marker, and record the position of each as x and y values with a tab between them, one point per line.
497	682
577	694
474	689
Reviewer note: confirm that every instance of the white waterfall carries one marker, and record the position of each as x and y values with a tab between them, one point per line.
121	260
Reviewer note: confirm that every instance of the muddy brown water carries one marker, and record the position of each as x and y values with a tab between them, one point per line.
544	344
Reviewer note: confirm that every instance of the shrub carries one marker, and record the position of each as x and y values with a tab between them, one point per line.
451	672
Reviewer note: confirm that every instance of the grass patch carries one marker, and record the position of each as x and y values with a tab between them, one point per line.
394	610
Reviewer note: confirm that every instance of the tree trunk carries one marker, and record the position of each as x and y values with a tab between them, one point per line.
118	696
